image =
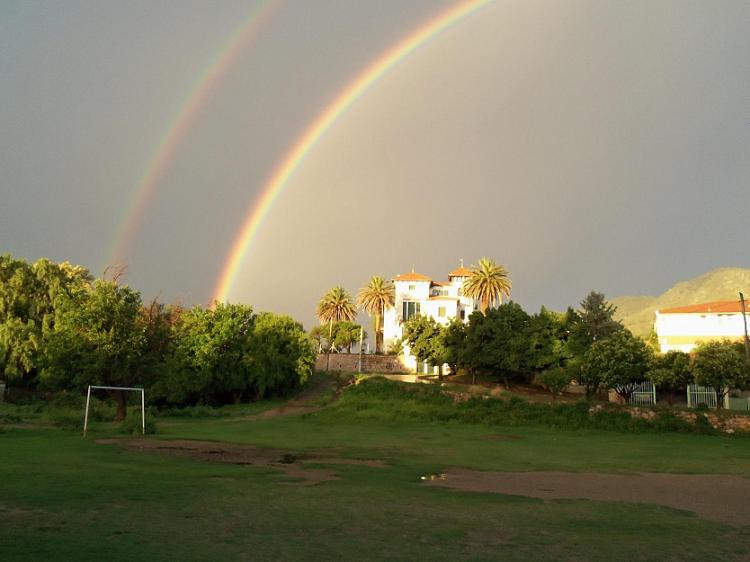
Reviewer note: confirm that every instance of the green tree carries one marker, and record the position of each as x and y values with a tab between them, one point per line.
345	334
621	361
555	379
454	341
375	298
424	336
210	361
335	306
597	318
722	366
671	371
546	336
487	283
28	301
97	338
318	334
281	356
497	342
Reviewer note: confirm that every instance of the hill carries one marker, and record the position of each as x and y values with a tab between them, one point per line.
637	312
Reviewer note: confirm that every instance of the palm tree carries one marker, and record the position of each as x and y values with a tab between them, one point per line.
488	283
336	305
375	297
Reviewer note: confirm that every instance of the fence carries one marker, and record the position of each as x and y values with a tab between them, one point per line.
697	394
644	394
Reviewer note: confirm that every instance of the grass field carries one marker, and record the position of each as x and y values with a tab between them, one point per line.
65	498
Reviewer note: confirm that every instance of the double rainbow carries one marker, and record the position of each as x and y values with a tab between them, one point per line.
322	123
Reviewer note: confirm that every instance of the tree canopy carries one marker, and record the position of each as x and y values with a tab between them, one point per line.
487	283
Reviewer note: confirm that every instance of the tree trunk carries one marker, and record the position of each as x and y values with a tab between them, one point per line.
378	334
440	372
121	399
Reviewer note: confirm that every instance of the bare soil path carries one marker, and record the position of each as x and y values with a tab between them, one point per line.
305	402
290	462
717	497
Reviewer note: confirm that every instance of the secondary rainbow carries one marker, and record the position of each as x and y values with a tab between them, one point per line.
181	122
322	123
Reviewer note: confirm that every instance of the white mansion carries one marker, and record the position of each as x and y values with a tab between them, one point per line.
418	294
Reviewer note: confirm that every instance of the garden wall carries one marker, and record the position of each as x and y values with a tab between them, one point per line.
349	362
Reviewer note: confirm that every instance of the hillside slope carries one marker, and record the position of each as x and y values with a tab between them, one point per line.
637	312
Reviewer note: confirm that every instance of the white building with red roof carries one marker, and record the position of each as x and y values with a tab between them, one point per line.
684	327
419	294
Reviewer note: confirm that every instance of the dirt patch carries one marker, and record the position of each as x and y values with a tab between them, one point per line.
716	497
290	462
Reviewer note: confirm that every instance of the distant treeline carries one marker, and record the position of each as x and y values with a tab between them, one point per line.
585	345
62	329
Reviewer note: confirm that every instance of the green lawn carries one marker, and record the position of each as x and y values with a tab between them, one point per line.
65	498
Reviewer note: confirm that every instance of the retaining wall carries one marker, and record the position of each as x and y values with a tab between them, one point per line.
349	362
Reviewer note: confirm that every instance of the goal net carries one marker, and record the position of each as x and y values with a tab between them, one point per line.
126	388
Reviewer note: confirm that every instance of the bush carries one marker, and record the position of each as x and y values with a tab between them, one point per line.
381	399
555	380
64	419
132	425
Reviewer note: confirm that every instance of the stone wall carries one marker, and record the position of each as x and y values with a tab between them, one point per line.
726	421
349	362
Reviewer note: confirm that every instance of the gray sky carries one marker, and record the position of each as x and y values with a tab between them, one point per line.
583	144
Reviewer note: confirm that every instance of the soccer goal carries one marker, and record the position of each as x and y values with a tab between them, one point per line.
88	401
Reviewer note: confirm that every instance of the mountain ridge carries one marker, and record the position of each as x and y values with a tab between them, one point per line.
637	312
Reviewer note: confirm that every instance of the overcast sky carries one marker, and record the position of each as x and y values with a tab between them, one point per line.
583	144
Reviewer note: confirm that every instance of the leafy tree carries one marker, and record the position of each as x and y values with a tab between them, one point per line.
621	362
496	342
335	306
209	363
555	379
375	298
345	334
671	371
97	338
546	336
28	301
487	283
424	336
454	340
281	356
596	322
318	334
722	366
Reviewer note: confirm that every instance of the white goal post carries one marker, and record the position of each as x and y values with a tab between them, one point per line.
88	400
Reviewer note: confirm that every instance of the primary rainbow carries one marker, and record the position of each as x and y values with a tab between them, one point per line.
181	122
322	123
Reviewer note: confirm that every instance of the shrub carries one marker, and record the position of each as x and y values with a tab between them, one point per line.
132	425
381	399
555	380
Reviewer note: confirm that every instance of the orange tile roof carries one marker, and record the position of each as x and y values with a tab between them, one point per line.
412	277
443	298
460	272
722	307
440	284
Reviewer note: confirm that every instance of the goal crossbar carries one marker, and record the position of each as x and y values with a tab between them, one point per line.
128	388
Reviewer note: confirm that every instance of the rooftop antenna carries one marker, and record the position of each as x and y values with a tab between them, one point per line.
462	262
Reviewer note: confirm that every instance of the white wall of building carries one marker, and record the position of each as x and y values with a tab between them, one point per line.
682	332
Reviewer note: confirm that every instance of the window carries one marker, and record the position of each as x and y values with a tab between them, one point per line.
412	287
441	312
463	315
410	309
